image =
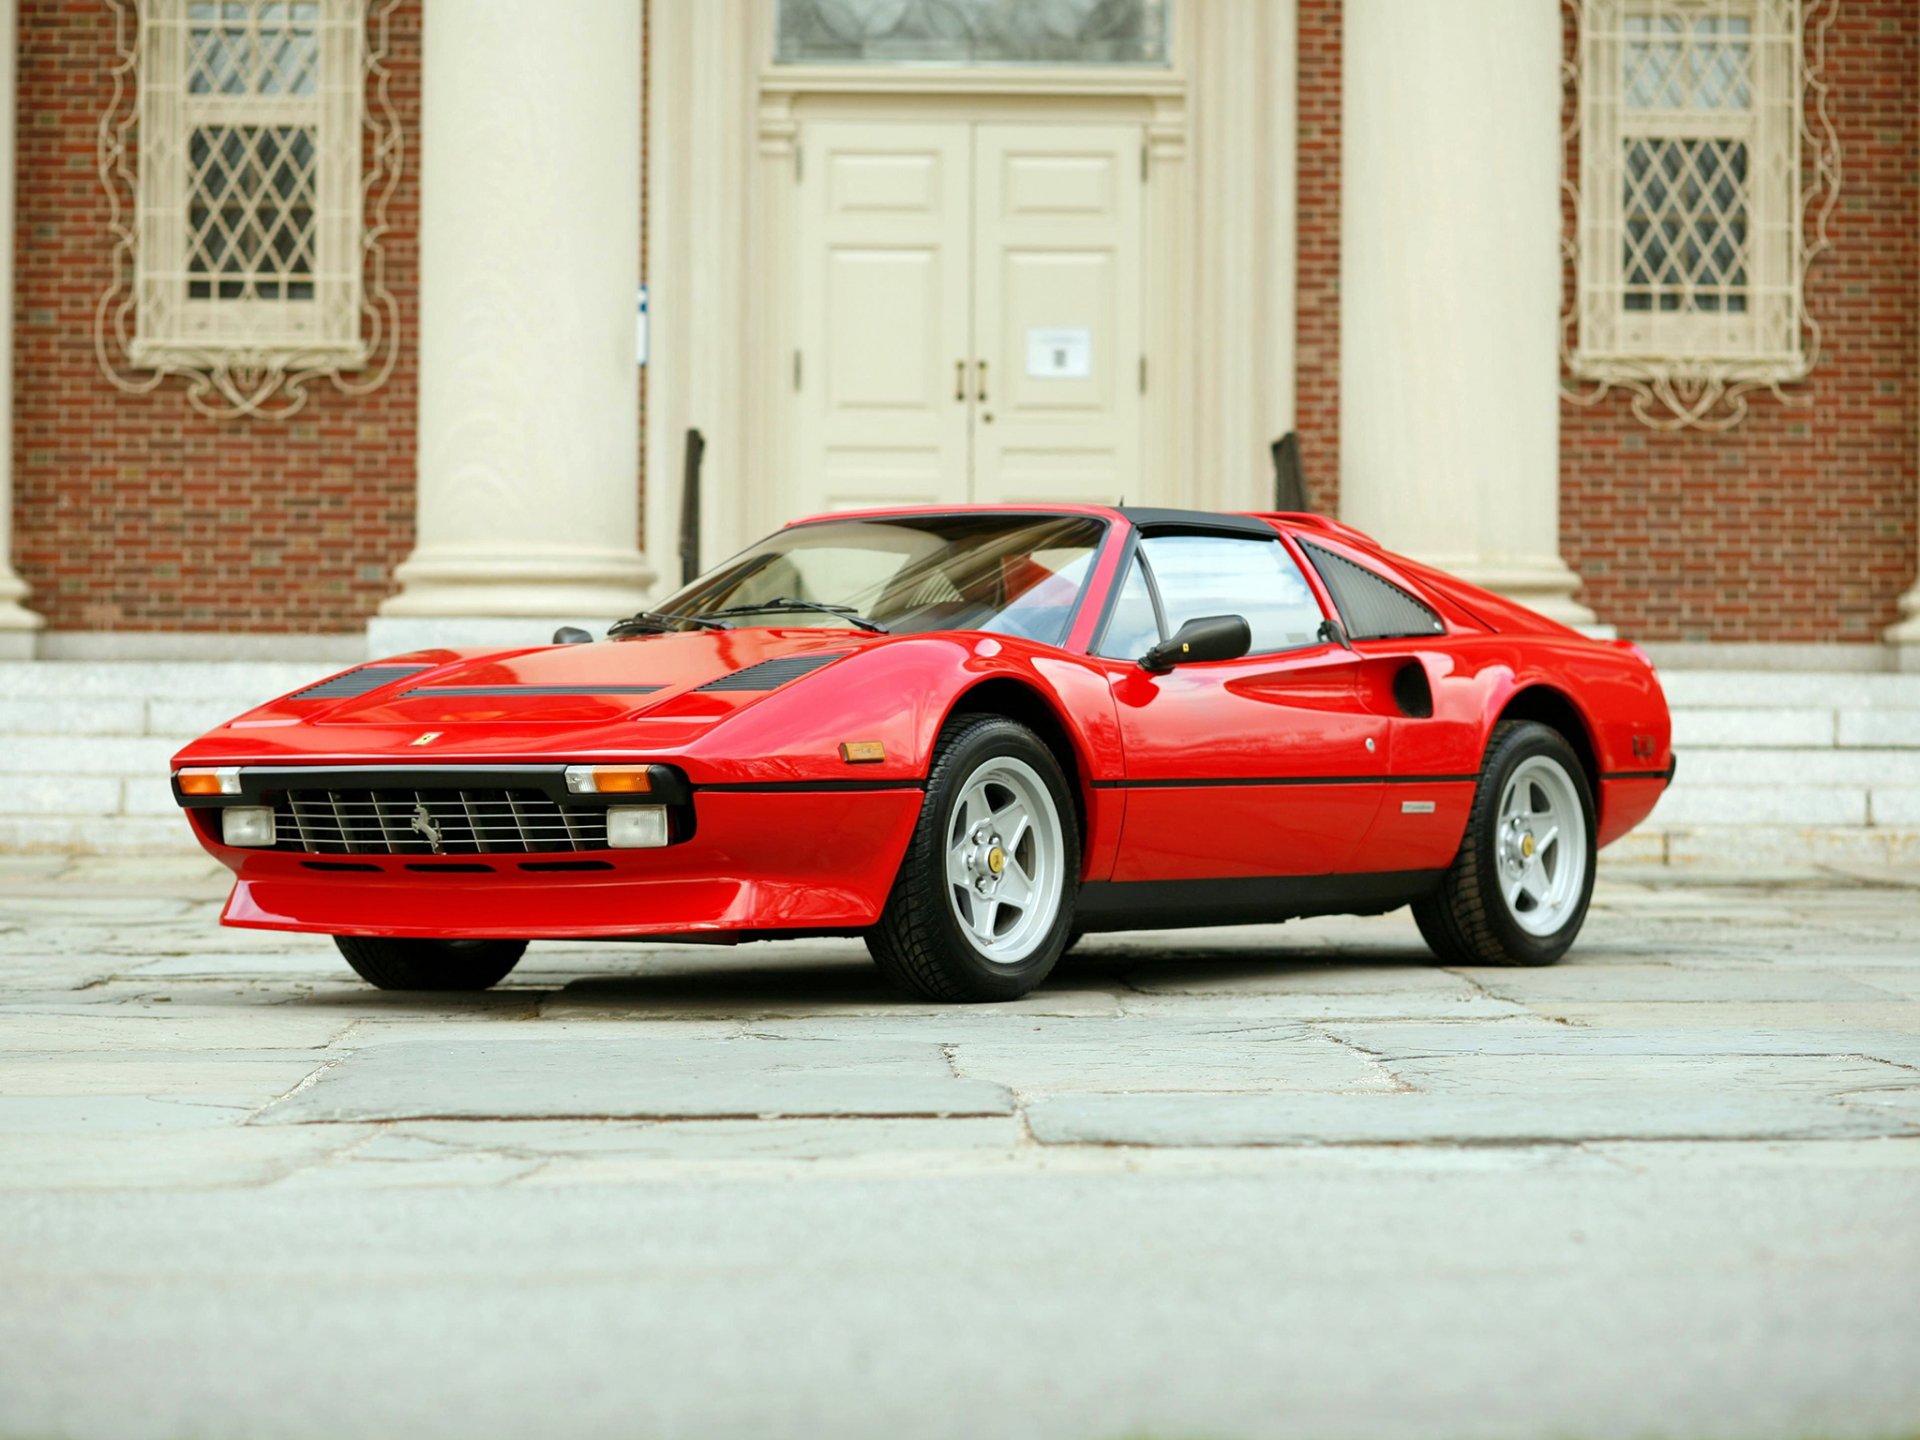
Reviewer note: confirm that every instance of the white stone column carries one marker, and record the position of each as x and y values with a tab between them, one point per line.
1450	277
17	623
529	258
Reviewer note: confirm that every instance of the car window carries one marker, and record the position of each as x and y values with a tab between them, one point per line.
1201	575
1134	628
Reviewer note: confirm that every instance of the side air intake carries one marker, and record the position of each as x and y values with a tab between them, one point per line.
357	682
772	674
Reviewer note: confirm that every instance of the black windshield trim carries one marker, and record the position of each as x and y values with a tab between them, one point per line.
1104	520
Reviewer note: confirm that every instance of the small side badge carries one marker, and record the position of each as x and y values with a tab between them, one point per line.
1416	807
428	738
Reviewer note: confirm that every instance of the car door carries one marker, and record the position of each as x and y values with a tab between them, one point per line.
1264	766
1436	717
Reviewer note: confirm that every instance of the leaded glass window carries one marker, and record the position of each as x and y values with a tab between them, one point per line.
249	177
1689	196
972	32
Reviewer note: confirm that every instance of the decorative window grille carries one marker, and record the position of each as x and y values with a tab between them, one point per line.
1690	237
971	32
252	264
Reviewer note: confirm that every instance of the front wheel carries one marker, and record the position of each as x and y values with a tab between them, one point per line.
1518	890
430	964
983	903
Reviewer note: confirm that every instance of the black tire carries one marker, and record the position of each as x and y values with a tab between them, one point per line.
919	942
430	964
1467	921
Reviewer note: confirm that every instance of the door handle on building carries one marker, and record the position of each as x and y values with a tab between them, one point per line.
959	379
980	381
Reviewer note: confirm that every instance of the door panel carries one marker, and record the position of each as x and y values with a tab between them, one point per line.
884	241
1253	767
1057	312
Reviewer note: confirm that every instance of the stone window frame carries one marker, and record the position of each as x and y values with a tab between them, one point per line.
1692	358
252	354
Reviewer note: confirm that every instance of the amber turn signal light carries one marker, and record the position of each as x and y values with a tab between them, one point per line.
209	782
862	752
609	779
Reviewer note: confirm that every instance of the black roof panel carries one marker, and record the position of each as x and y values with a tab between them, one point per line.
1150	517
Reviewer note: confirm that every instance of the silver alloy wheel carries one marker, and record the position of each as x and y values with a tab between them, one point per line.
1541	847
1006	860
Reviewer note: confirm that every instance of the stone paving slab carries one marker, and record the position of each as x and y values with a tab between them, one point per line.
1623	1102
1670	983
533	1077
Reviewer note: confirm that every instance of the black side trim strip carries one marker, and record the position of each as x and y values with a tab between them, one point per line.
807	787
1236	780
1637	774
530	690
1172	904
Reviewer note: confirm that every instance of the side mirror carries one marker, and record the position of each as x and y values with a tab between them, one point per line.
1332	632
1207	637
572	635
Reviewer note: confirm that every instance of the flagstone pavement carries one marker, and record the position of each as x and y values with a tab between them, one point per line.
1282	1180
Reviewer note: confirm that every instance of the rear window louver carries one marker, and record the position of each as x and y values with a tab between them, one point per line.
357	682
772	674
1371	606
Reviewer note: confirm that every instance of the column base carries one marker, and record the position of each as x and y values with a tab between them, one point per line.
445	584
18	625
1545	584
1904	634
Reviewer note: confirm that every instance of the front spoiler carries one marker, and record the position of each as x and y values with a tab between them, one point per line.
781	861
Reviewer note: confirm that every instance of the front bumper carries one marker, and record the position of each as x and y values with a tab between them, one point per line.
781	859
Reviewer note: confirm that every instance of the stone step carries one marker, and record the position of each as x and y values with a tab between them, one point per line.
1770	764
1766	690
122	715
1768	769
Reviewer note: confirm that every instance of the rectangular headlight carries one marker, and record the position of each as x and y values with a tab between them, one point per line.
637	827
247	825
225	781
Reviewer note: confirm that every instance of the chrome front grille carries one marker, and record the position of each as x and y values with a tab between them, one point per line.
433	822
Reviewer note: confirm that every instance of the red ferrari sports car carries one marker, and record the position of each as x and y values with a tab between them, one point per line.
967	735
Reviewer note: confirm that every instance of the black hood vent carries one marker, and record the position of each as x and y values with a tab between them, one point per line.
357	682
499	690
772	674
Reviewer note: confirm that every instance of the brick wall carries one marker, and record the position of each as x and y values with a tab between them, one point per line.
1317	380
1798	525
134	512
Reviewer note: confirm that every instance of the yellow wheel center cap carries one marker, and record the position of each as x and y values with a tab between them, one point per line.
996	860
1526	846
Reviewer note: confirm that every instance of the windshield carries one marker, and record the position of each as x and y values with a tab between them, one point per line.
1009	574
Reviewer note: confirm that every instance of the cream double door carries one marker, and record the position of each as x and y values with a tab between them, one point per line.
969	313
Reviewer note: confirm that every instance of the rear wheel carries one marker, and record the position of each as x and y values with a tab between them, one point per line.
983	903
430	964
1518	890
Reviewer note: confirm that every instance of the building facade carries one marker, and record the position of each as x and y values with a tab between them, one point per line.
324	324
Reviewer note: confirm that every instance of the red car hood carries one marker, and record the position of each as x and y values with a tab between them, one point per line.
574	685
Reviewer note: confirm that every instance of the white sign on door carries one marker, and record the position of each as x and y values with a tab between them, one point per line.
1059	354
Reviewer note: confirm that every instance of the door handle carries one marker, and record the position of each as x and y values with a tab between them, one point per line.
980	381
959	379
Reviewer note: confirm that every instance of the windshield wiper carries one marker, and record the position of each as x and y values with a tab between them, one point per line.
661	622
788	604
